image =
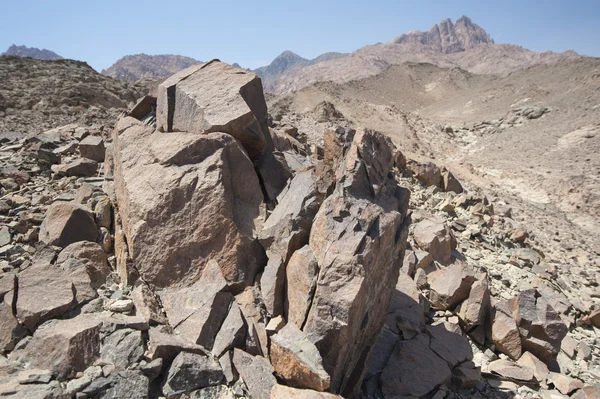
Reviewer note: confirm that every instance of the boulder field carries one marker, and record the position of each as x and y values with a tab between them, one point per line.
196	252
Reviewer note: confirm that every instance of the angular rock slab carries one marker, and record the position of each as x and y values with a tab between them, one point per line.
450	286
216	97
256	372
297	361
435	238
65	346
358	238
504	334
191	371
66	223
185	199
301	280
198	311
414	369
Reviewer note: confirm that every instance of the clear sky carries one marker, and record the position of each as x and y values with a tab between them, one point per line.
252	33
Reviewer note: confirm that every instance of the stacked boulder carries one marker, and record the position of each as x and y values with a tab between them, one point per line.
250	272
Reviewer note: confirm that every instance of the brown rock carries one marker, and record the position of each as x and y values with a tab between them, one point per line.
166	346
143	107
587	392
466	375
538	322
435	238
450	286
191	371
474	310
406	313
49	291
410	263
103	212
185	199
66	223
11	331
81	167
65	346
297	361
301	277
197	312
148	305
450	183
511	371
358	229
288	227
447	341
284	392
92	256
256	372
414	369
92	147
272	284
565	385
539	369
216	97
232	333
504	334
429	174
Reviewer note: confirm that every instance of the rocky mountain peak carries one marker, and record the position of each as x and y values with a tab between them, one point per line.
24	51
448	37
281	63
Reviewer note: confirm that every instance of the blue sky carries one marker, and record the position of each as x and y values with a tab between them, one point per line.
252	33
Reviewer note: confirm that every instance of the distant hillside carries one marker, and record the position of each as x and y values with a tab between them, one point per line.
462	44
287	61
134	67
24	51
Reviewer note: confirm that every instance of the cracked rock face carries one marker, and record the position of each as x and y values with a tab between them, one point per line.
185	199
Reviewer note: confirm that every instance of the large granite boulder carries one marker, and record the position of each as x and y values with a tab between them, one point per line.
184	199
358	239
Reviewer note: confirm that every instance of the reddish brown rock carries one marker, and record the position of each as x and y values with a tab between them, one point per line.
358	240
65	346
185	199
66	223
92	147
92	256
447	341
511	371
565	384
406	313
216	97
147	305
541	327
232	333
301	276
197	312
504	334
450	285
297	361
435	238
539	369
49	291
428	174
474	310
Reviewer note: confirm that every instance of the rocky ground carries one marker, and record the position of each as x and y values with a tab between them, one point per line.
150	260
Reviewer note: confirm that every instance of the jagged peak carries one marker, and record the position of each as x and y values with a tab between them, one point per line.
448	37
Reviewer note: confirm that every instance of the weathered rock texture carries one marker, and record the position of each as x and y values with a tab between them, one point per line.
184	199
358	239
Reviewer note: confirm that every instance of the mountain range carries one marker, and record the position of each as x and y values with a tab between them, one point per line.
32	52
448	44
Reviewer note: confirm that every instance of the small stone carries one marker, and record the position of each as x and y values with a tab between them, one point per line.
565	385
121	306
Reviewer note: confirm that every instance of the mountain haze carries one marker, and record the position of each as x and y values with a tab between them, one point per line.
24	51
448	44
134	67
